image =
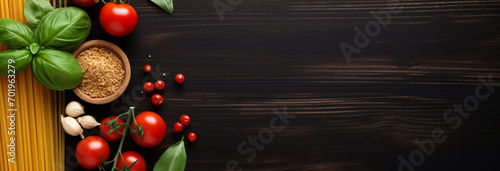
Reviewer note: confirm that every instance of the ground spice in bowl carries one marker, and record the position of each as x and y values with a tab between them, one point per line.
103	72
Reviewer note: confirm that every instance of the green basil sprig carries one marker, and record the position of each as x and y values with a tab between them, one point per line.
174	159
56	32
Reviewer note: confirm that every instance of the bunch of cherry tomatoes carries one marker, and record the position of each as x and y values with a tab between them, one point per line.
93	150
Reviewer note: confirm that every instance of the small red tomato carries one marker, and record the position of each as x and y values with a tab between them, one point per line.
147	68
104	129
89	152
157	99
179	78
185	120
130	157
159	85
192	137
84	3
178	127
148	87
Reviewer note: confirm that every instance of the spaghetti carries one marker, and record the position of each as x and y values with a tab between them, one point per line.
39	139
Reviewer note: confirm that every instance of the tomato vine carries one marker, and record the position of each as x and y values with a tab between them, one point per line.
114	128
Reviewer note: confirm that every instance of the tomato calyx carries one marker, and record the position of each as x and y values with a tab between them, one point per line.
139	130
103	163
125	166
113	125
115	1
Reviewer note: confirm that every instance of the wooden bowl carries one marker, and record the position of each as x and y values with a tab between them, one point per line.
125	64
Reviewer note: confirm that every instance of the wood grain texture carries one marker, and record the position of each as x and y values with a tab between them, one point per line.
268	55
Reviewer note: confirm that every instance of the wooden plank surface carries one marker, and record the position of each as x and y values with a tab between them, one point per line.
280	54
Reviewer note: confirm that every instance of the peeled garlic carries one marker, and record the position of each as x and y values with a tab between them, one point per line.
74	109
87	121
71	126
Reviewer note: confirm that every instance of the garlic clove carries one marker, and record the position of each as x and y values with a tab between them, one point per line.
87	121
71	126
74	109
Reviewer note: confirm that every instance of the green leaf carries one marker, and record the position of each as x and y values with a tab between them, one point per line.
34	10
14	34
57	70
63	29
167	5
174	159
22	59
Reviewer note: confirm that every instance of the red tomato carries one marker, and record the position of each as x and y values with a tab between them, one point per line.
147	68
84	3
148	87
118	19
178	127
153	126
192	137
159	85
130	157
104	129
157	100
185	120
87	152
179	78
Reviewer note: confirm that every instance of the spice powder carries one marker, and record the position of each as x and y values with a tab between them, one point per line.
102	70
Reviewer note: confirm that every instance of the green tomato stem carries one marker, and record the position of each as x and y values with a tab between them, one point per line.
130	114
126	113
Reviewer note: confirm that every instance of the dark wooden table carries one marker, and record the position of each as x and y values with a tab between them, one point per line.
275	55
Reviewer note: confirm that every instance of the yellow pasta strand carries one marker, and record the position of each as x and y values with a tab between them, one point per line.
38	135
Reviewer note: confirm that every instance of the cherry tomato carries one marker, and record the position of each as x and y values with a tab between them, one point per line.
147	68
185	120
89	150
148	87
179	78
118	19
157	100
192	137
178	127
130	157
159	85
153	126
84	3
104	129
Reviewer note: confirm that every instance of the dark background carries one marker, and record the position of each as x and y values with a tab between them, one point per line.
281	54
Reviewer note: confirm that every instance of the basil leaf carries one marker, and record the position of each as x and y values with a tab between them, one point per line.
174	159
57	70
34	10
167	5
22	59
63	29
14	34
